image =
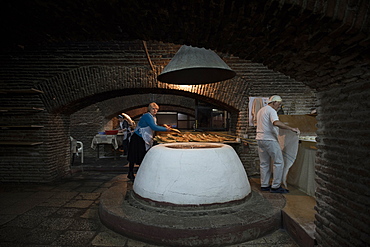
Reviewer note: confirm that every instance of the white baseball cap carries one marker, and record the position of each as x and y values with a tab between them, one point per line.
274	98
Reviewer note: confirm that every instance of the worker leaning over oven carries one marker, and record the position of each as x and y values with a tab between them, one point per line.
142	138
269	150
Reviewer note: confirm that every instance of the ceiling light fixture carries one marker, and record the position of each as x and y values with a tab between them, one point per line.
192	65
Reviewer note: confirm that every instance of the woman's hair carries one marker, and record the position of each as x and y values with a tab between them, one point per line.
152	105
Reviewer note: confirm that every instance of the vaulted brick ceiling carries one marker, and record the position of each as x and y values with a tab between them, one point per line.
303	40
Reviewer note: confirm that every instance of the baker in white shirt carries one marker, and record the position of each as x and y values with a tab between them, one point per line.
269	150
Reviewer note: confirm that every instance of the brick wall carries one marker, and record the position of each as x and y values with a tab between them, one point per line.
342	166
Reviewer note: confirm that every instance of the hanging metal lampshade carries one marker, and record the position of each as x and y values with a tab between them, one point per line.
192	65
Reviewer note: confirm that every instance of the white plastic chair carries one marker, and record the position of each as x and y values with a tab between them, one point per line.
77	147
80	150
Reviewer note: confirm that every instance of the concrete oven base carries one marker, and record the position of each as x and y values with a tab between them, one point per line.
213	225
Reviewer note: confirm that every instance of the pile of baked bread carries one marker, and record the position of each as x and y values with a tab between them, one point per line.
190	137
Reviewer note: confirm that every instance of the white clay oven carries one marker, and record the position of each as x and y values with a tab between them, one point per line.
192	174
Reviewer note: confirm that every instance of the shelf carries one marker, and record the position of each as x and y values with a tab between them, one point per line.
21	91
18	109
14	143
20	126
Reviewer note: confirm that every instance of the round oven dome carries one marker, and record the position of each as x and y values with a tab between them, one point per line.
192	174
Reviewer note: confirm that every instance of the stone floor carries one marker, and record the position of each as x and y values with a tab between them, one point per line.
65	213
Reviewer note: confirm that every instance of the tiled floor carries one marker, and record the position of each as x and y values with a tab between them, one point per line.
65	213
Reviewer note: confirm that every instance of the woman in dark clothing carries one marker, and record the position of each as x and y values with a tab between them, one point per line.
142	138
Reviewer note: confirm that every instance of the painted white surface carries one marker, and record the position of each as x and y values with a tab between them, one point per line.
192	176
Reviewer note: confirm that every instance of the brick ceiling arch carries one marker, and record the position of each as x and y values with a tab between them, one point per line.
306	40
135	105
69	92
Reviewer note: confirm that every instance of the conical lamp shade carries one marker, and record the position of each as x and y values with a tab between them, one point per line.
192	65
